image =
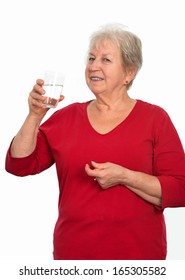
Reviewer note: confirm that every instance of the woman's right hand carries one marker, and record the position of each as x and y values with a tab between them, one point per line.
36	99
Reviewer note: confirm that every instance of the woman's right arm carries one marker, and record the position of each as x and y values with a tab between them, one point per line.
25	141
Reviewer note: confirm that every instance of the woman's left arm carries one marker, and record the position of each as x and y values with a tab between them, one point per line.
144	185
165	186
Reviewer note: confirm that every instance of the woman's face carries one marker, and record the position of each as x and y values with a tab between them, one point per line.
104	71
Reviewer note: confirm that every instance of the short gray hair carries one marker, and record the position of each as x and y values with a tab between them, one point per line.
129	44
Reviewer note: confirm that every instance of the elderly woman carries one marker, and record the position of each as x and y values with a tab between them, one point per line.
119	161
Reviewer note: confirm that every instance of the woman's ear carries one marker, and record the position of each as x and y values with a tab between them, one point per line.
131	73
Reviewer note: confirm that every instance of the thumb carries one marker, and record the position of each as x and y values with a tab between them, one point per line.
61	98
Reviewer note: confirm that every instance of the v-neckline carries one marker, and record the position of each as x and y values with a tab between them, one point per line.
124	121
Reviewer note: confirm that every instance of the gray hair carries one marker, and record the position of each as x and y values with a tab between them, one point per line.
129	44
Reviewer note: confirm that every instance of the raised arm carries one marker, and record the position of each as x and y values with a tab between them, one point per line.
25	141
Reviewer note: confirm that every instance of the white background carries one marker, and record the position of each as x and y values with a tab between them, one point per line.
39	34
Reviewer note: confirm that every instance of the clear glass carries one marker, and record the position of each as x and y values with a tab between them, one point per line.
53	85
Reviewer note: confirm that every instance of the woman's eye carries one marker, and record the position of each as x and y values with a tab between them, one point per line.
91	58
106	60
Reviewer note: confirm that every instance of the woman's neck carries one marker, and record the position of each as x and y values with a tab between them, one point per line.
105	104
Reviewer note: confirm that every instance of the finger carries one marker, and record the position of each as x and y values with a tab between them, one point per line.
88	169
36	96
98	165
40	82
90	172
38	88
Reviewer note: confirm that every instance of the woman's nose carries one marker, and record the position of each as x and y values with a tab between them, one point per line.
95	65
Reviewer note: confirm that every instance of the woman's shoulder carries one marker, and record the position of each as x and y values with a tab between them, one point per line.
153	114
150	108
66	113
69	109
72	107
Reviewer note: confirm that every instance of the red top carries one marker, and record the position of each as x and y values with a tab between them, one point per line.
115	223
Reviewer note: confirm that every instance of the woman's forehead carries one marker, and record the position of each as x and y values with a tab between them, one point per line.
104	45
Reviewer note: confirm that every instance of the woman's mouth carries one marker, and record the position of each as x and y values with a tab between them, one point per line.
95	78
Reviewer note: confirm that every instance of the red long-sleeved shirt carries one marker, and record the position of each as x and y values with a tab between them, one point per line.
115	223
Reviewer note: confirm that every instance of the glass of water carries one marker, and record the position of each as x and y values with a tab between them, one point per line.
53	85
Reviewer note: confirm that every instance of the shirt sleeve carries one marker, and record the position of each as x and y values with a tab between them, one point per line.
169	164
43	156
40	160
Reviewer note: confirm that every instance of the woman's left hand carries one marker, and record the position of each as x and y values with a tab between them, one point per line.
106	174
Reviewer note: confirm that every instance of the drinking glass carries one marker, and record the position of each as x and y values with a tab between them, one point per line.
53	85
